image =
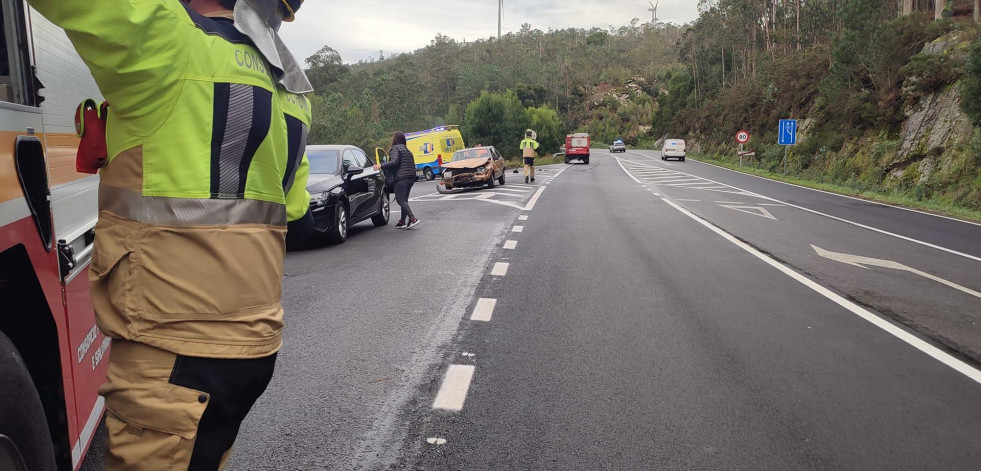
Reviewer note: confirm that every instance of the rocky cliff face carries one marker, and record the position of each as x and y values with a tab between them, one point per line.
934	124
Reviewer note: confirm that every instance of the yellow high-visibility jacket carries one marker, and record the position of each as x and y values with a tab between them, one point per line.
528	148
207	165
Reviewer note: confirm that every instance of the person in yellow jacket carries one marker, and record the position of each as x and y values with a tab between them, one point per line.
529	147
206	136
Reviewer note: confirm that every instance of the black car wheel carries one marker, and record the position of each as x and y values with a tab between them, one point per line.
24	436
384	212
338	233
428	173
585	160
501	180
490	181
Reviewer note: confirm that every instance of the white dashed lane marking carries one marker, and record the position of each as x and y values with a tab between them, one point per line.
484	310
522	218
518	229
453	393
500	269
511	244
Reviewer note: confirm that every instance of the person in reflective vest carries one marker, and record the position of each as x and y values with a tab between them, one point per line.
207	171
529	147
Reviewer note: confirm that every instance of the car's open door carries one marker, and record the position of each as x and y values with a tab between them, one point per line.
380	155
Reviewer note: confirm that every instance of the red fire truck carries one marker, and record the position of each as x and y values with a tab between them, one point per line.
577	147
52	356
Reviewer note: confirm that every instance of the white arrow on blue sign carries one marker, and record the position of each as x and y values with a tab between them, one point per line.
788	132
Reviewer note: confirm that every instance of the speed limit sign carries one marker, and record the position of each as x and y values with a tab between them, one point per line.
742	137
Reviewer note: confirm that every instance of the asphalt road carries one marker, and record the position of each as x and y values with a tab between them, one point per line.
650	315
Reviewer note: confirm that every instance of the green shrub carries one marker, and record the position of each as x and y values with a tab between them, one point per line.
971	91
928	73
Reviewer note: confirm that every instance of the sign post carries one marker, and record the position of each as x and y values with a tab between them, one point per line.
742	137
788	137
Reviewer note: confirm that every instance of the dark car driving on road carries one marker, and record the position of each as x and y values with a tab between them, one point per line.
344	190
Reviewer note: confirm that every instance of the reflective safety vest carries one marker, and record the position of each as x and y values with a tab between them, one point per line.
528	147
207	165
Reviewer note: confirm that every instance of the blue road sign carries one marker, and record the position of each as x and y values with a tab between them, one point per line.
788	132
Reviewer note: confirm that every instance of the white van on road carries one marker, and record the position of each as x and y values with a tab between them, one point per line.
673	149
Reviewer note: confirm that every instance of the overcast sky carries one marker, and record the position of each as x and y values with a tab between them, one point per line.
358	29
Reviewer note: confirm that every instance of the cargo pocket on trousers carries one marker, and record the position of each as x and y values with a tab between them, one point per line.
111	273
152	425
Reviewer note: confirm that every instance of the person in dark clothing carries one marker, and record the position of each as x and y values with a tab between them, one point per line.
403	164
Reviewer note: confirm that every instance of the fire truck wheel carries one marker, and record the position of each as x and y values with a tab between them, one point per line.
24	436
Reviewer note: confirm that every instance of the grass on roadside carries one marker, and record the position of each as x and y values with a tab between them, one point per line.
897	199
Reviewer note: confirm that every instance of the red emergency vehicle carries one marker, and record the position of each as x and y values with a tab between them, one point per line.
577	147
52	356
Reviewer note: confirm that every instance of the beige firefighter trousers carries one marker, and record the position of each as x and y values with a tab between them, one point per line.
172	412
530	167
152	424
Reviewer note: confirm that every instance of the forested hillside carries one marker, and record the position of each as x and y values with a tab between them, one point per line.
888	103
604	81
880	96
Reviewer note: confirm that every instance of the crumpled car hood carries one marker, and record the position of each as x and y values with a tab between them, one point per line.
469	163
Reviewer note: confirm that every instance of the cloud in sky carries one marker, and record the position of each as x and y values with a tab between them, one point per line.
359	29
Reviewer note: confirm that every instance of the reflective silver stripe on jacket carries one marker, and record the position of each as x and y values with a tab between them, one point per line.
236	138
189	211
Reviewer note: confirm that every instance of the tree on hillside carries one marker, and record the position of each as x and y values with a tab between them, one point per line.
545	121
972	84
325	67
497	120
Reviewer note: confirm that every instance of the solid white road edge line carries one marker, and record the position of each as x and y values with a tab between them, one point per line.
843	196
453	392
836	218
500	269
484	310
511	245
901	334
620	161
538	194
534	199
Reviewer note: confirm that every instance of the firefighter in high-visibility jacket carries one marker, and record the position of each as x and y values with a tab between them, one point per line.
529	147
206	138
